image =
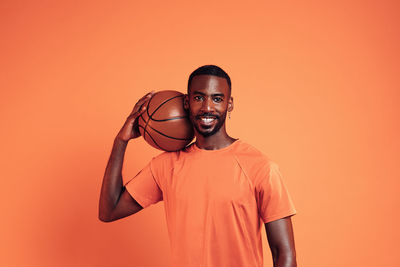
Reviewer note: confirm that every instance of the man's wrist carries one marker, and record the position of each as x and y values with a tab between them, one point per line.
119	141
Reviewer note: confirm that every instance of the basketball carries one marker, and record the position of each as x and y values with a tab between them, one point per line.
165	123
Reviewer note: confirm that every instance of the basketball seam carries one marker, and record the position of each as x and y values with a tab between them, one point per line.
151	115
170	119
144	128
165	101
176	138
145	131
147	111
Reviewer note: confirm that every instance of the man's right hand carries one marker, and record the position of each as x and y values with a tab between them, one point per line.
130	129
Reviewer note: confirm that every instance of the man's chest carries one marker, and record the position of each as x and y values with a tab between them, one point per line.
218	181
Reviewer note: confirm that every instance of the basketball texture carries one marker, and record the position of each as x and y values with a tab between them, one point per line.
165	124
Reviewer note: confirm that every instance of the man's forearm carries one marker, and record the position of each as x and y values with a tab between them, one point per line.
112	182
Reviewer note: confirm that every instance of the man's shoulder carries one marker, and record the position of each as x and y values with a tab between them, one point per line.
251	158
246	149
167	157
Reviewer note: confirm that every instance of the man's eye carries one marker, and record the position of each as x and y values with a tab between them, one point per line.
197	97
217	99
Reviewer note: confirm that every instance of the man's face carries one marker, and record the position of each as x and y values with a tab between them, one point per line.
208	102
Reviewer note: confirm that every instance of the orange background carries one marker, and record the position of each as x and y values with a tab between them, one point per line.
315	87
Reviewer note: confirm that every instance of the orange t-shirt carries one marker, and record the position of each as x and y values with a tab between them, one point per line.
215	202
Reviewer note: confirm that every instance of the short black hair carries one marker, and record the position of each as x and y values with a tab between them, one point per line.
209	70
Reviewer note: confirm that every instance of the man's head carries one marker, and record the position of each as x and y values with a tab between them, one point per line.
210	70
209	99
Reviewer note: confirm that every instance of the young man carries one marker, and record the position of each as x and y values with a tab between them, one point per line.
217	192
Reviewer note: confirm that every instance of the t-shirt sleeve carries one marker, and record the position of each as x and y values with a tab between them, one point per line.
273	199
144	187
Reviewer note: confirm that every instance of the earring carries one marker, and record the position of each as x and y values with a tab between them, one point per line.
229	114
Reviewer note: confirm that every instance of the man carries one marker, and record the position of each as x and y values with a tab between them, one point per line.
217	192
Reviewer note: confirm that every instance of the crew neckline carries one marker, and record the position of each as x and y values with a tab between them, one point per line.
196	148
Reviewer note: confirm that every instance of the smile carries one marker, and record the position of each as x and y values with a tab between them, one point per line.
207	119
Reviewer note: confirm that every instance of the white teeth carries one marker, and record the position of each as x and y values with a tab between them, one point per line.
207	120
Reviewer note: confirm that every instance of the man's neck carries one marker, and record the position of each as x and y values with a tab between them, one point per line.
214	142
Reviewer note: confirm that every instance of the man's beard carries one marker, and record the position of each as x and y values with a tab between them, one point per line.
220	122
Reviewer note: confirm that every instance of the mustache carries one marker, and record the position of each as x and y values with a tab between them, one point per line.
207	115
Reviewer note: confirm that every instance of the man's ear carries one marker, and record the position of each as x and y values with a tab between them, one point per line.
186	102
230	104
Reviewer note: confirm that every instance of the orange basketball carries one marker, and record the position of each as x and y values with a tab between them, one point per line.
165	123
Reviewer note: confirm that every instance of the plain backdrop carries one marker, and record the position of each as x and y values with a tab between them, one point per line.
315	87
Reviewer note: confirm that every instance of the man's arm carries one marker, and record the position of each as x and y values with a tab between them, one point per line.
115	202
281	242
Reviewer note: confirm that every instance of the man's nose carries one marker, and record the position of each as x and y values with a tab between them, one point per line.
207	105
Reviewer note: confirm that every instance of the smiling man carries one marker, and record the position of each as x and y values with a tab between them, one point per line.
217	192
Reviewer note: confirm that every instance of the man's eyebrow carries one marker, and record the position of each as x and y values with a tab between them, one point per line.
201	93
